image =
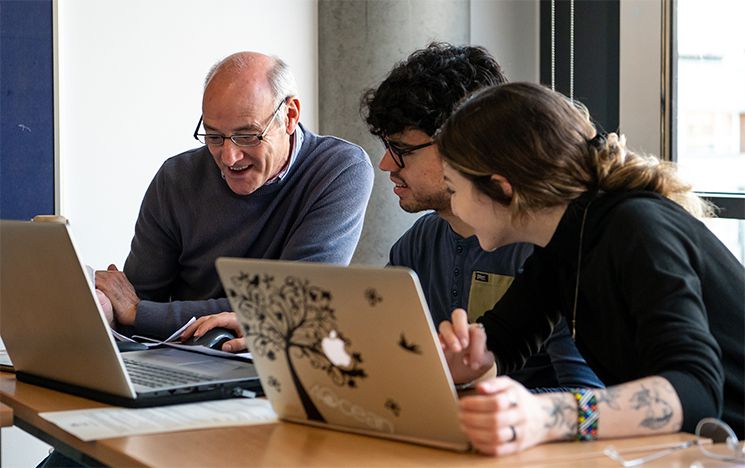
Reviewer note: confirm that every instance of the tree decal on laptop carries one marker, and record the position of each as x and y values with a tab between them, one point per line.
295	318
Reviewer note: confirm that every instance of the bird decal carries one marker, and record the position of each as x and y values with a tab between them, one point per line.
410	347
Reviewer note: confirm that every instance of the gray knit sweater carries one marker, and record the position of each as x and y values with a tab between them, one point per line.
189	217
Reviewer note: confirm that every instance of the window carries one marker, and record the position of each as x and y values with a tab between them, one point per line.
620	57
708	108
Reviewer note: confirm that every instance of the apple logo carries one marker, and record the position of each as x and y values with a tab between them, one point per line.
333	348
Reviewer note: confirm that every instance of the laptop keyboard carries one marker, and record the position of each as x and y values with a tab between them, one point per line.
154	376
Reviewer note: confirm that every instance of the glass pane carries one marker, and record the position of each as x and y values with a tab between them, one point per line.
710	101
732	234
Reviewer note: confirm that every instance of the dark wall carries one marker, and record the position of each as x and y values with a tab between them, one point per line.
596	55
26	109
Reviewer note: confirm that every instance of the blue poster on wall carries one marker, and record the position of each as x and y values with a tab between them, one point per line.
26	109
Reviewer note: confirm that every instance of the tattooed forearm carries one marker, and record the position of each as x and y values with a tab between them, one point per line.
609	396
561	416
641	407
658	412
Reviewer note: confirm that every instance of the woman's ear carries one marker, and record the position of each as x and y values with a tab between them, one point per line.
503	184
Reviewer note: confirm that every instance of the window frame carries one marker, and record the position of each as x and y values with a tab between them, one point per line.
730	205
644	95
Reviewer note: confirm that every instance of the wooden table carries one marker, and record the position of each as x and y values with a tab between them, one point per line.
286	444
6	415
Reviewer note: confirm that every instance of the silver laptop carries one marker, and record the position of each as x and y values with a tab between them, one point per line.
347	348
57	336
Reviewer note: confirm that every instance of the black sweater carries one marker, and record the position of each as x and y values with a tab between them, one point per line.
659	295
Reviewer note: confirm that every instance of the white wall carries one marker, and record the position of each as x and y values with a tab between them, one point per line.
130	77
509	29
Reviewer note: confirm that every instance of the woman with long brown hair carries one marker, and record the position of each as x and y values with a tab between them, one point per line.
654	301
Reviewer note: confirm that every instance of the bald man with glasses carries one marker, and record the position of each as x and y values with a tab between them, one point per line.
261	186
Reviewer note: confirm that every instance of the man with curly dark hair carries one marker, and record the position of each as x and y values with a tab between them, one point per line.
405	111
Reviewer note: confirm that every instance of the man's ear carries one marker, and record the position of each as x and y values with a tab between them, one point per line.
503	184
293	114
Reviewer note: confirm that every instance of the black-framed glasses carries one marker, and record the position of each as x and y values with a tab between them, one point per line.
399	151
240	139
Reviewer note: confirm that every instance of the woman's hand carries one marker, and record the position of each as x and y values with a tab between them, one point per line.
223	319
504	417
464	346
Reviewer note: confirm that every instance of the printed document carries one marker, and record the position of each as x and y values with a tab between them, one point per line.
104	423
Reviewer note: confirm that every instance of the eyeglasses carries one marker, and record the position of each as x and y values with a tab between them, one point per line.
731	450
613	454
398	152
240	139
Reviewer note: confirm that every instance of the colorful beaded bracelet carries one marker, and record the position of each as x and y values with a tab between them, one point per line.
587	414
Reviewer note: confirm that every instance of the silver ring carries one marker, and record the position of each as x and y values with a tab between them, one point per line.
514	434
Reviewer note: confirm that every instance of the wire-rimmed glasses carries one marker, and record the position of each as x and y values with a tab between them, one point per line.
726	446
398	151
240	139
613	454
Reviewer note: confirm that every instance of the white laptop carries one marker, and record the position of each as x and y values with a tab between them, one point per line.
57	336
347	348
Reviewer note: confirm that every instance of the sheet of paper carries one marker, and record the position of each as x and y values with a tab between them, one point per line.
5	363
151	342
173	336
178	332
120	337
104	423
212	352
